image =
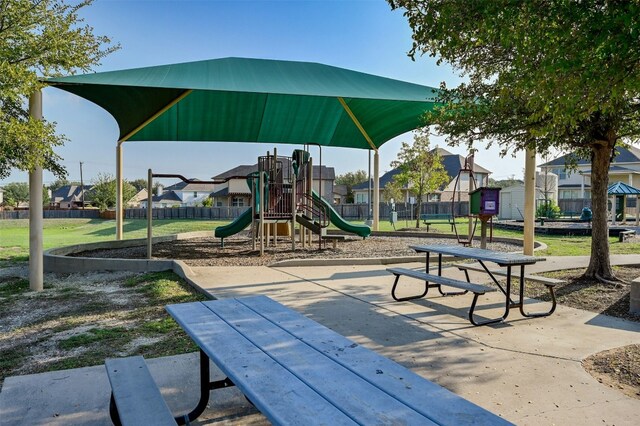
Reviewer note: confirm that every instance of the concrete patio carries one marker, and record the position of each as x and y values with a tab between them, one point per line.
526	370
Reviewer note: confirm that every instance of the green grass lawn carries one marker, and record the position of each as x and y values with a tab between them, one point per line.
557	245
14	234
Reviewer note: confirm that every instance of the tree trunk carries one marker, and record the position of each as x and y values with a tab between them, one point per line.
418	210
600	263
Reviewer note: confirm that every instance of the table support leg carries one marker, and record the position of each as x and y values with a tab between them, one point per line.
477	323
443	293
535	314
508	302
206	386
404	299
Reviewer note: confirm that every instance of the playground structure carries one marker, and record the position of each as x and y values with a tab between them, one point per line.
282	196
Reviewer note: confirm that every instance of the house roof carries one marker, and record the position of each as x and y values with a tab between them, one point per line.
614	169
340	189
620	188
166	196
573	186
384	180
625	155
70	193
328	173
242	170
191	186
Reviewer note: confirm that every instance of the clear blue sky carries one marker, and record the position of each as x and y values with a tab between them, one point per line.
363	35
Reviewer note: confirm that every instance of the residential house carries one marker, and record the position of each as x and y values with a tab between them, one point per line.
192	193
340	193
71	197
162	199
452	164
625	167
136	201
181	194
235	192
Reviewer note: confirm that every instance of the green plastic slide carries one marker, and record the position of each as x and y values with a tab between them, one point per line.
234	227
244	219
361	230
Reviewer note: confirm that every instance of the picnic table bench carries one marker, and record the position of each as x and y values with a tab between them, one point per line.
334	239
430	219
298	372
624	235
506	260
437	281
135	397
547	281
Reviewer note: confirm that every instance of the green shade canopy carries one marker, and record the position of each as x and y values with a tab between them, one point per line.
255	100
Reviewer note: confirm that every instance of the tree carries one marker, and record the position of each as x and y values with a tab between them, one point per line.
46	198
139	184
350	180
505	183
103	191
38	39
59	183
420	170
16	193
540	75
207	202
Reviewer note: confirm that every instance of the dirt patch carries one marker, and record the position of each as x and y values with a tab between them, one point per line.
617	368
590	295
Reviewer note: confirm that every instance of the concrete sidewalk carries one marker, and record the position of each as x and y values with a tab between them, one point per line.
527	370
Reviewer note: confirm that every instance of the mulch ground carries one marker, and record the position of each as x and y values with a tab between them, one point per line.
239	251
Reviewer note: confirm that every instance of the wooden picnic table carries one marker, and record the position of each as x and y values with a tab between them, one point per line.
298	372
507	260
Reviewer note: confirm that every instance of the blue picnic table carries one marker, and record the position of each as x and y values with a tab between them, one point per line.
298	372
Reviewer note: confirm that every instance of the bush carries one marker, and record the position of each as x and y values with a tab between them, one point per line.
548	209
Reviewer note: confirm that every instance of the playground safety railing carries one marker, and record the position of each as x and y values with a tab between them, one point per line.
314	210
279	201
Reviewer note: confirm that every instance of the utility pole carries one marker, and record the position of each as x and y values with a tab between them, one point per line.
81	186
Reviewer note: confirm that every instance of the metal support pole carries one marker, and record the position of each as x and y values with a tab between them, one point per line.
529	201
149	213
81	186
36	259
369	189
376	190
119	206
254	227
261	211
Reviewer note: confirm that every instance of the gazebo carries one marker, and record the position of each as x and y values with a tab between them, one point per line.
618	192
